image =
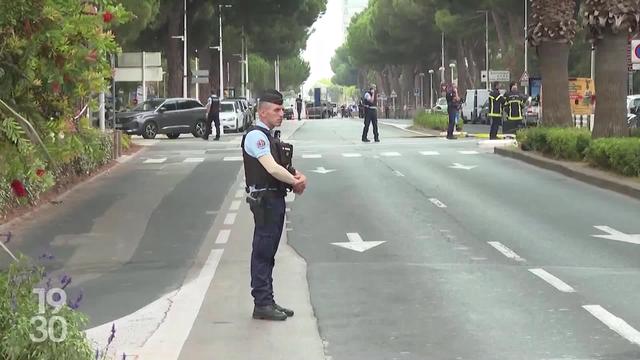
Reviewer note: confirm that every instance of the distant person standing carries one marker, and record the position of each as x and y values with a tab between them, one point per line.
299	106
370	103
496	104
453	104
213	116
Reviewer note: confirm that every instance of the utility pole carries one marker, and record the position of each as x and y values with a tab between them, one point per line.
526	44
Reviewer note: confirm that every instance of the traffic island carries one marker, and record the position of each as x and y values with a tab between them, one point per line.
577	170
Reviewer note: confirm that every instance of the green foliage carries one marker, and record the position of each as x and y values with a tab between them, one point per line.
560	143
436	121
621	155
18	307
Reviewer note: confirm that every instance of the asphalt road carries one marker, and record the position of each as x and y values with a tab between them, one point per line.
415	248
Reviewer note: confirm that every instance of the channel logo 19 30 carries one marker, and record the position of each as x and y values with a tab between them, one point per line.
53	328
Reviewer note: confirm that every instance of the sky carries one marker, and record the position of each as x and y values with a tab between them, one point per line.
321	46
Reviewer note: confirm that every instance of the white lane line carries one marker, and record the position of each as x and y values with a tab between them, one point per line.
398	173
552	280
429	153
351	155
230	219
614	323
240	193
390	153
438	203
223	236
155	161
193	160
232	158
506	251
312	156
468	152
160	329
235	205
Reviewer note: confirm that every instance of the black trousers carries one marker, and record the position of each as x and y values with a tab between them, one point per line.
212	120
266	238
452	124
299	114
511	126
496	121
370	118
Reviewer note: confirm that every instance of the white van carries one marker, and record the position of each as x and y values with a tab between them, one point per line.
474	99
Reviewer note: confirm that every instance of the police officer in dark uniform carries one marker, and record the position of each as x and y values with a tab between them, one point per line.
496	104
514	107
370	103
269	174
213	116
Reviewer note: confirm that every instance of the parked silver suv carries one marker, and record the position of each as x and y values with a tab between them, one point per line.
172	117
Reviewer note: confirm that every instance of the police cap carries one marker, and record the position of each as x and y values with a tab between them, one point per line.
272	96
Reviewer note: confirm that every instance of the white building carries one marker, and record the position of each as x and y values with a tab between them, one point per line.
349	9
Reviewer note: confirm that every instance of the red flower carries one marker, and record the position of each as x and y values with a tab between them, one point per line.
18	188
107	17
40	172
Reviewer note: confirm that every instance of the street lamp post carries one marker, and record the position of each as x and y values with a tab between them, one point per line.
486	40
422	90
526	45
220	6
431	89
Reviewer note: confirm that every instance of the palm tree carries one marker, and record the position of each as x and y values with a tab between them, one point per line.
609	23
552	29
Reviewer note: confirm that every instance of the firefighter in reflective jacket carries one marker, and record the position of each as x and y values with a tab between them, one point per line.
514	107
496	104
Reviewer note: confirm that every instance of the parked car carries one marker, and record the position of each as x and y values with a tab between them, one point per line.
532	111
246	110
231	115
324	111
171	117
441	105
288	113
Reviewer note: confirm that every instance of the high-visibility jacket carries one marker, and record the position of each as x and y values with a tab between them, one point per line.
496	103
514	106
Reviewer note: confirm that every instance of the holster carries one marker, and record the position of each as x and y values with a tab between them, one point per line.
257	205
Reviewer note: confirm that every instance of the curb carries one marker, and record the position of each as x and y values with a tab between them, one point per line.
594	177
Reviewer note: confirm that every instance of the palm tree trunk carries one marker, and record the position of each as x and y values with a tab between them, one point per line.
554	56
611	86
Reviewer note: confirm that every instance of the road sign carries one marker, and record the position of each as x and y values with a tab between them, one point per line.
393	94
525	77
135	74
496	75
635	51
201	73
199	80
134	59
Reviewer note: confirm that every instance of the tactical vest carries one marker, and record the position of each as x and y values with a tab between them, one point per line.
215	105
255	174
514	106
374	100
496	101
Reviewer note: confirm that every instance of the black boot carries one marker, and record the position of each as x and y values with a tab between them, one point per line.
286	311
268	312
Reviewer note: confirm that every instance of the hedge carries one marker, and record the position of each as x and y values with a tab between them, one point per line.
621	155
436	121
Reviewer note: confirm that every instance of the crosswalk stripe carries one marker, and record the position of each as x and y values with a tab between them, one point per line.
311	156
429	153
155	161
351	155
193	160
391	153
232	158
468	152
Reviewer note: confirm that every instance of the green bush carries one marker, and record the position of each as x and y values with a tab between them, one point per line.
436	121
560	143
22	337
621	155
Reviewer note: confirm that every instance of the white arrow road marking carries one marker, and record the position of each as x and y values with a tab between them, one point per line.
232	158
193	160
506	251
617	235
463	167
357	244
391	153
321	170
429	153
223	236
554	281
468	152
438	203
160	329
312	156
351	155
398	173
155	161
614	323
235	205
